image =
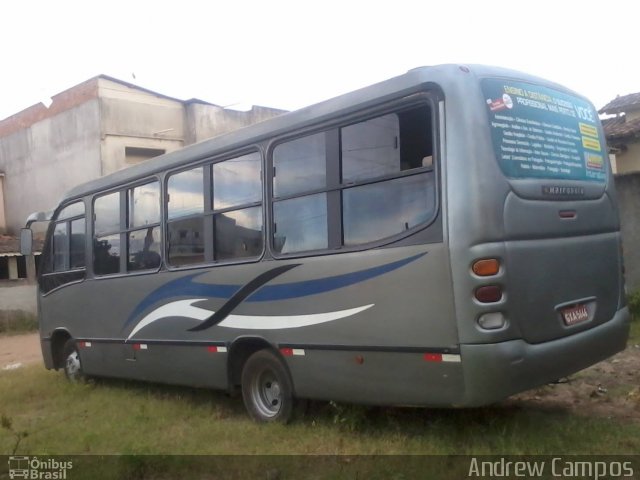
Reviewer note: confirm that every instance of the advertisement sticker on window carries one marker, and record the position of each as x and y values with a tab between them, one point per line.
539	132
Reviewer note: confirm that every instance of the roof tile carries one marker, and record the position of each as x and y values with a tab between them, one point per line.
622	104
618	127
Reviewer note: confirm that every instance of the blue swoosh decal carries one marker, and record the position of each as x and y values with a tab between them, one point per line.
321	285
186	286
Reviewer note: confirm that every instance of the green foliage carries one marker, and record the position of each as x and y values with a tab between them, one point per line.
17	321
633	300
349	417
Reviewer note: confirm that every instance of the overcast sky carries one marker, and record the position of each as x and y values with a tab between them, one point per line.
288	54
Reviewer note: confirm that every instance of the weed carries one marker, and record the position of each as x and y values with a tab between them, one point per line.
7	424
17	321
350	417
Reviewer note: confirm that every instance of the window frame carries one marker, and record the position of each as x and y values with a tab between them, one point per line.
123	233
430	98
50	248
209	213
49	280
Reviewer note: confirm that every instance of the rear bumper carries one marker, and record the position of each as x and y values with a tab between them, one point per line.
495	371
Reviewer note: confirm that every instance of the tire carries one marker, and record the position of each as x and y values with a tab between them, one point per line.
267	389
72	364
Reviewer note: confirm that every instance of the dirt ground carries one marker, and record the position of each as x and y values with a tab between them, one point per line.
609	389
19	350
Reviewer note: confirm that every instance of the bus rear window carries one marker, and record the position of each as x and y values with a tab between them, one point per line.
539	132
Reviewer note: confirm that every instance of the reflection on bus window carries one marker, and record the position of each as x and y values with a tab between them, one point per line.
143	205
106	254
301	224
106	210
378	210
144	249
186	195
237	181
186	241
299	165
238	234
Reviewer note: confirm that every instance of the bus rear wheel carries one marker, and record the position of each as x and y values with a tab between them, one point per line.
72	364
267	389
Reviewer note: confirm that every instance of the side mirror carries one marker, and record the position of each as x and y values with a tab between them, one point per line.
26	241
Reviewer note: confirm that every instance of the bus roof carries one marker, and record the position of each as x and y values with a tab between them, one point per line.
408	83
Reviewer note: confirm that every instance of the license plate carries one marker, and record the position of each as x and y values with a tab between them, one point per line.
576	314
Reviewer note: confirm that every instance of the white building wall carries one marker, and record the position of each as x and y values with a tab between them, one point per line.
46	159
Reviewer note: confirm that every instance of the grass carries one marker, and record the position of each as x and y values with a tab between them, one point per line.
119	417
634	334
634	307
17	321
152	426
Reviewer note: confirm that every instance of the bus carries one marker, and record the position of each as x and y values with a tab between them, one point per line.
445	238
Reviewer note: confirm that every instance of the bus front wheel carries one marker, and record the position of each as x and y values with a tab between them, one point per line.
72	364
267	389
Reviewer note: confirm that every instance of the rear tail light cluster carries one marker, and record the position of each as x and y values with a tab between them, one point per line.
489	294
492	321
488	267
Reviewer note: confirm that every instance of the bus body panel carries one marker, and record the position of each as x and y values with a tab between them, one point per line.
495	371
171	353
377	377
550	276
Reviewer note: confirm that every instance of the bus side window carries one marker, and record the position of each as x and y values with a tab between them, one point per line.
106	228
237	205
300	219
143	225
185	215
390	158
64	261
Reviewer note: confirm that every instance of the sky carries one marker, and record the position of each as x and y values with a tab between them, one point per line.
289	54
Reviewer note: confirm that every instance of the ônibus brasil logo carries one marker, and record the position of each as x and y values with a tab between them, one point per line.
36	469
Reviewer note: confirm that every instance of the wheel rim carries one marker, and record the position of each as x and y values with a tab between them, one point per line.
73	367
266	393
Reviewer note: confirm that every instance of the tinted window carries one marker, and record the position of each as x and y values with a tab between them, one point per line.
371	149
143	205
186	195
106	254
73	210
107	213
378	210
144	249
238	233
68	241
77	243
60	247
186	241
299	165
386	145
300	224
237	181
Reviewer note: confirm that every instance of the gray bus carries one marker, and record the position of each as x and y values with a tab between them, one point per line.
448	237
